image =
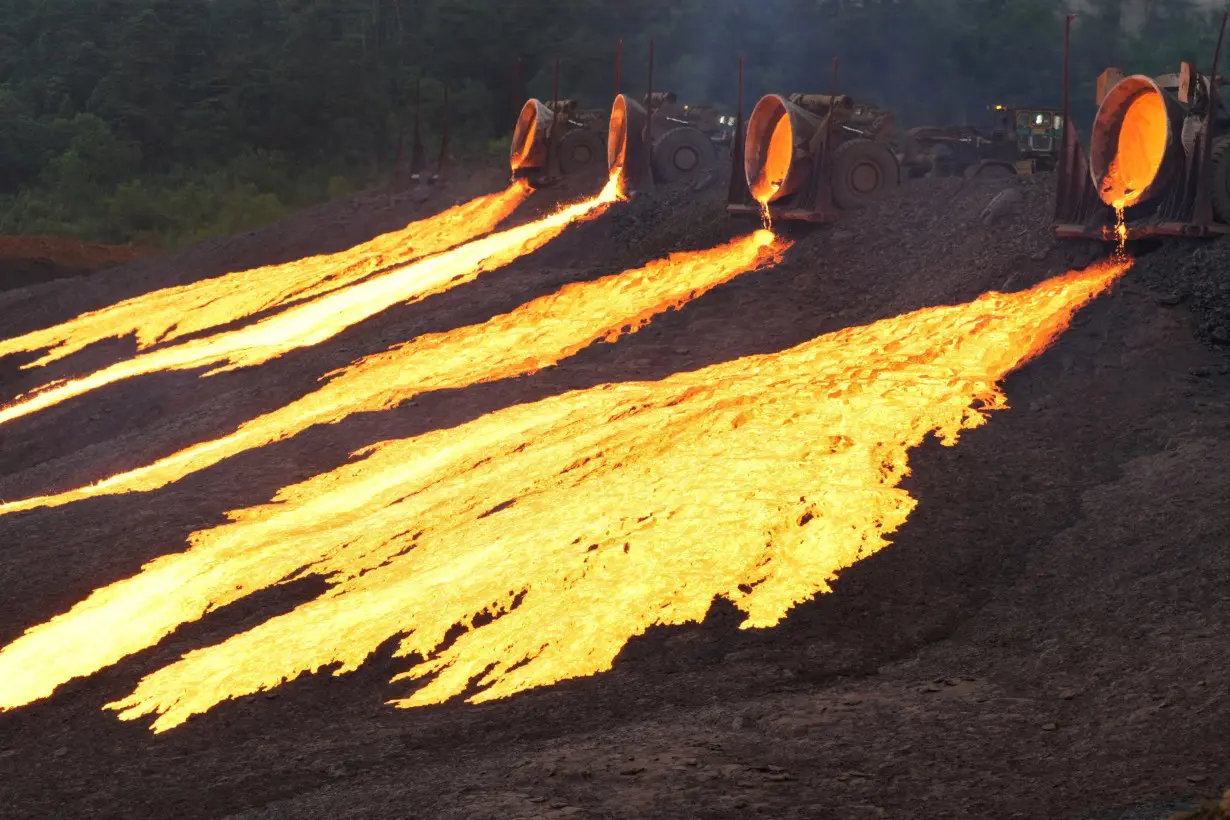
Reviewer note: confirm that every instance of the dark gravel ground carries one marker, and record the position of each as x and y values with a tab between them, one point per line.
1197	275
1044	639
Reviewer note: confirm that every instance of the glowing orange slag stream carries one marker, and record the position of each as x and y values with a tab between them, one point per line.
780	154
1121	234
1139	152
573	523
171	313
766	217
313	322
536	335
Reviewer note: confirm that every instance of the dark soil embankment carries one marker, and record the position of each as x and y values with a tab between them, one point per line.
327	228
30	260
1044	639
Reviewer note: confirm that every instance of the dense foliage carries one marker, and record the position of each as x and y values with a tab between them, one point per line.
164	121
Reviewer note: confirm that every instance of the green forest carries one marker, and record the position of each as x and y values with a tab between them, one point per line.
162	122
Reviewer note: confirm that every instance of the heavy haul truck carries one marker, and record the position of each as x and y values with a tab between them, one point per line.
1159	155
811	157
556	139
673	142
1020	141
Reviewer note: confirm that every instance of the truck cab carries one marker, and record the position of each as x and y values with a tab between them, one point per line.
1030	137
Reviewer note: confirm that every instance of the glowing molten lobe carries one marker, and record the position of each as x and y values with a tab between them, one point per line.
575	522
314	322
534	336
1139	153
172	313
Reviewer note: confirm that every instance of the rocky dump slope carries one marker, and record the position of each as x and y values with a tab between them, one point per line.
1044	638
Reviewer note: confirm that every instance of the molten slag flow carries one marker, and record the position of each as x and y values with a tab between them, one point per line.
1139	153
557	530
780	154
536	335
1121	234
172	313
778	159
313	322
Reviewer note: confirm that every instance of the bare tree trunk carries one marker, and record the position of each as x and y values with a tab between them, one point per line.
401	29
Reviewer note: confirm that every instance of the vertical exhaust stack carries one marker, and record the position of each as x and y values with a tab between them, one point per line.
1079	210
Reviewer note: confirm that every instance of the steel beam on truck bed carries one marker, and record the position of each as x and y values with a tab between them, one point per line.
797	214
1161	229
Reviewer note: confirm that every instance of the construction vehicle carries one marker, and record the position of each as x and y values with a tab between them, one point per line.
543	150
1021	141
811	157
878	122
651	141
679	147
557	138
713	121
1159	155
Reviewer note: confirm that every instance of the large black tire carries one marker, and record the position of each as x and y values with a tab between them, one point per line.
863	172
581	150
682	153
1221	178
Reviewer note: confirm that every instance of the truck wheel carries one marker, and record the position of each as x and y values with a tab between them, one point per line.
1221	177
863	172
681	153
580	150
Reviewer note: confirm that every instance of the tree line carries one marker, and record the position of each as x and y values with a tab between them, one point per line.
163	122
